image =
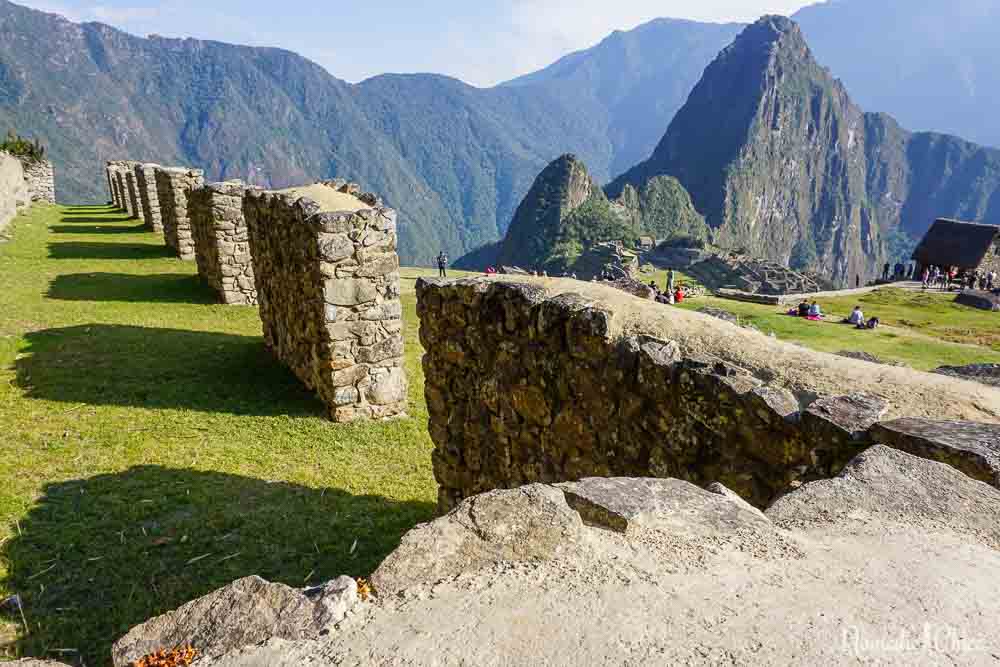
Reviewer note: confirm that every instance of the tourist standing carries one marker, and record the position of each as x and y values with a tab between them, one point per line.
670	281
442	264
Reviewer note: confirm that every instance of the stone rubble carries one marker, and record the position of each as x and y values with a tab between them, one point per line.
646	571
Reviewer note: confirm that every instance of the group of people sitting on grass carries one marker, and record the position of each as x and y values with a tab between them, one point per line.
669	296
812	311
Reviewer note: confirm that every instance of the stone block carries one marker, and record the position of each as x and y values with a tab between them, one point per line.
224	263
173	187
320	317
970	447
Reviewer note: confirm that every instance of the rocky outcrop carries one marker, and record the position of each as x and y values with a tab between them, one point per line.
244	613
328	289
222	243
173	185
970	447
981	300
988	374
566	213
606	571
547	381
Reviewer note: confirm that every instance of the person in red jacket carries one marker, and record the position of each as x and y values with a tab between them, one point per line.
679	294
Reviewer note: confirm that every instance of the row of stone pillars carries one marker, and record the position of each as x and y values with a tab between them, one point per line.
320	262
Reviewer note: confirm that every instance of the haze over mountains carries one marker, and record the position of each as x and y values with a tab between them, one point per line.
456	160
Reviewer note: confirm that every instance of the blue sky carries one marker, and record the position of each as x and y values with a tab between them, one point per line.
479	41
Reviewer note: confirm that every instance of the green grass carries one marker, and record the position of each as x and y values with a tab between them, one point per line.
151	450
921	330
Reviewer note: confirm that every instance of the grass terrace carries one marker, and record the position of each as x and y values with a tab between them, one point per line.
924	330
151	450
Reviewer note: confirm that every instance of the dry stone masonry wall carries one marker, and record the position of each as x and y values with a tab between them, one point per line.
124	203
39	175
132	190
526	385
149	201
14	194
173	185
222	246
328	290
112	192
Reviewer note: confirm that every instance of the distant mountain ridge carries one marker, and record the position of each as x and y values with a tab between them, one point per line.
457	160
781	163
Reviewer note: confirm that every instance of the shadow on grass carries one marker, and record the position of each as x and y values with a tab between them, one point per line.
98	250
156	288
88	226
92	208
97	556
102	364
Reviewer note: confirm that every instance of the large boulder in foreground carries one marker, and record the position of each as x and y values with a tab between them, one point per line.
244	613
642	571
970	447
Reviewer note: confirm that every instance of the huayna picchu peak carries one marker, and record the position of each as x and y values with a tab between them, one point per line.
782	163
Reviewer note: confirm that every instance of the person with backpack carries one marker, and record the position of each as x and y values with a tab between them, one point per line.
442	261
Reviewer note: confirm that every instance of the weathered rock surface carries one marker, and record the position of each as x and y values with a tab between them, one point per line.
988	374
34	662
970	447
244	613
981	300
664	572
551	380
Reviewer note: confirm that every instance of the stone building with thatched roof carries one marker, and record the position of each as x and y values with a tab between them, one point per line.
965	246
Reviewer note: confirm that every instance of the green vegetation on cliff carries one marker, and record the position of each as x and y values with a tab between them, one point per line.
780	161
566	212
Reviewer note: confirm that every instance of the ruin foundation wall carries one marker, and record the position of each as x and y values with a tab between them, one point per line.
40	179
530	381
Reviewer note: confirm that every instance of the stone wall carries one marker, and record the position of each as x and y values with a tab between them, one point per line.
549	381
149	201
39	176
124	203
328	290
132	190
992	260
222	246
14	194
173	184
112	188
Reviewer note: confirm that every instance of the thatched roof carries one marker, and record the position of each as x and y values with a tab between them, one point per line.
954	243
